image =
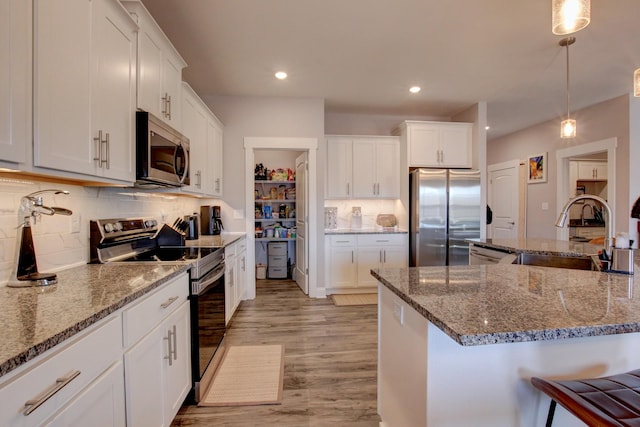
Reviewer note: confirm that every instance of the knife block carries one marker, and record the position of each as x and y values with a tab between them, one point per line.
170	236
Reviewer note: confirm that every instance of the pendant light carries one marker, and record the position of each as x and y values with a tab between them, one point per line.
636	83
569	16
568	126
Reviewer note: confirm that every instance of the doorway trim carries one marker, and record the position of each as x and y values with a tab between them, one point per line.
310	145
562	168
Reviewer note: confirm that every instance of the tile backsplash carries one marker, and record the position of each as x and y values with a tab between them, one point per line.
57	244
369	208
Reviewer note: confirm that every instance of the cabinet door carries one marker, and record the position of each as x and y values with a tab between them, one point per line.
241	276
388	168
368	258
600	170
229	288
62	86
194	127
213	185
102	401
339	168
364	168
342	268
114	88
455	145
150	65
144	383
171	89
178	366
424	145
15	82
394	257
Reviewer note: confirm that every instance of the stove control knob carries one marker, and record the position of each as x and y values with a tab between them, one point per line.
150	223
108	228
117	226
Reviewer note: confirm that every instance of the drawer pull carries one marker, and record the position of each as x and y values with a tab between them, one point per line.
169	302
33	404
343	241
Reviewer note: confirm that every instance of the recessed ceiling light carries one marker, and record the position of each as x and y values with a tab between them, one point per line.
281	75
414	89
487	127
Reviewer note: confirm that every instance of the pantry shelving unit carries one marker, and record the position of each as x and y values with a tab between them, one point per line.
273	194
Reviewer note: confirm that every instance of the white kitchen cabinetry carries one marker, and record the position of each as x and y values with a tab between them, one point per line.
350	258
339	167
83	376
380	251
241	270
376	171
159	69
15	79
84	88
340	258
363	167
591	170
157	355
437	144
204	131
230	282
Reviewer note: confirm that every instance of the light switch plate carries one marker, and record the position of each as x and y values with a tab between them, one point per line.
75	223
545	206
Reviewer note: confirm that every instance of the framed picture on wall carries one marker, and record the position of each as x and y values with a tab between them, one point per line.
537	168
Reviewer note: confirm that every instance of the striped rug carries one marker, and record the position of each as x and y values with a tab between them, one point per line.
248	375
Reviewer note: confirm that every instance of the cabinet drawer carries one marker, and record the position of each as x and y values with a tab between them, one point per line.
279	261
277	248
148	313
241	245
381	239
88	356
277	272
342	240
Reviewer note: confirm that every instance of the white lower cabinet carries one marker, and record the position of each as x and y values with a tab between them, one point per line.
349	258
82	376
241	271
230	299
157	366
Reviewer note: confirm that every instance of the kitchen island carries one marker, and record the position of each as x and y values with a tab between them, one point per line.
458	345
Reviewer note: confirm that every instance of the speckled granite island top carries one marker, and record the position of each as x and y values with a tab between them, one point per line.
541	246
492	304
36	319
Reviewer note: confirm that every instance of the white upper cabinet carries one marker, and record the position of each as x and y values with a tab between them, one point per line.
205	134
159	69
339	168
363	167
438	144
84	88
15	79
592	170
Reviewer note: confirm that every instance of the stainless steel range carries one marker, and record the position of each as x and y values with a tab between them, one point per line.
141	240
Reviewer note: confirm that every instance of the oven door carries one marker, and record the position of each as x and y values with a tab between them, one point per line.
207	324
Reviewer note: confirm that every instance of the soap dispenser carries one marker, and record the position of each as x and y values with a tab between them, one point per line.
356	217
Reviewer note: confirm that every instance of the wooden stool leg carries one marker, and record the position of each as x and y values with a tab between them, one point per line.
552	410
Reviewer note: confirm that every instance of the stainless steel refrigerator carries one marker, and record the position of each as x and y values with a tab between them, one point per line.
444	206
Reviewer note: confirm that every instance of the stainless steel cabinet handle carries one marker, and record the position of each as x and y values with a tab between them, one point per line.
380	257
199	181
169	109
348	189
169	349
374	189
106	151
98	141
175	344
342	241
352	260
169	302
165	106
33	404
384	259
217	184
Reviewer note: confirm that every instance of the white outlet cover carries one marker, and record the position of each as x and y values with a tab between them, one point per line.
545	206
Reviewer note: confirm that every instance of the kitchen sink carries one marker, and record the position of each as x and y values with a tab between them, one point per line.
557	261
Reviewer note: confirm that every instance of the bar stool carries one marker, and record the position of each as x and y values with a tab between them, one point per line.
605	401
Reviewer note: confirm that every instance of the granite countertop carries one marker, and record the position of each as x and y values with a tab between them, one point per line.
541	246
378	230
505	303
38	318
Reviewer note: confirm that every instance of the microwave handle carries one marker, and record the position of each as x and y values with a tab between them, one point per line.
186	166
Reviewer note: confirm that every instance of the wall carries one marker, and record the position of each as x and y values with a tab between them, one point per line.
601	121
367	124
56	246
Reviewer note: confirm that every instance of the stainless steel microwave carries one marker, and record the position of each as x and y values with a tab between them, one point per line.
162	153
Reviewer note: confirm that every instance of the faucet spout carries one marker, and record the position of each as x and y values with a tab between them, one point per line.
562	218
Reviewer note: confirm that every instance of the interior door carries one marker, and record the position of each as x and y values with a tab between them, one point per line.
302	243
504	198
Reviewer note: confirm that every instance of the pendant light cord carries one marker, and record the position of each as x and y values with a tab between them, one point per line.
568	110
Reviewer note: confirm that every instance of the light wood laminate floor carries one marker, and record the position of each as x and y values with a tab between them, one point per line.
330	361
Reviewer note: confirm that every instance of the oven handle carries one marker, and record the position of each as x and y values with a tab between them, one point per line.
209	279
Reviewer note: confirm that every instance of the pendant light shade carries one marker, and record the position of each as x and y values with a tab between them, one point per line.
568	126
636	83
569	16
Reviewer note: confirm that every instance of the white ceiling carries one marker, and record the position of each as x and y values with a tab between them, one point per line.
362	56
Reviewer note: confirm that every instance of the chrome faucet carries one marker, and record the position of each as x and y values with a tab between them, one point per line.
608	241
31	206
586	205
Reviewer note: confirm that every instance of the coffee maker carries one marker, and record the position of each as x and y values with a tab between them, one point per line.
210	220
